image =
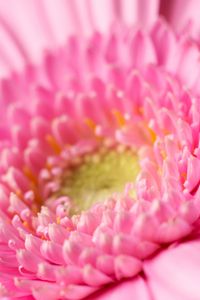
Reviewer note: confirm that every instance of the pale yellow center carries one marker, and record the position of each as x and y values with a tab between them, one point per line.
99	176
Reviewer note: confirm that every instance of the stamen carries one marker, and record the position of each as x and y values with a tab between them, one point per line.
119	117
29	174
90	123
53	143
152	134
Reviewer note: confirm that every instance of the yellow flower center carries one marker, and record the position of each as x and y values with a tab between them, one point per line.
98	176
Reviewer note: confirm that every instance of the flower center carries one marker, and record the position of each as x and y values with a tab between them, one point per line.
98	176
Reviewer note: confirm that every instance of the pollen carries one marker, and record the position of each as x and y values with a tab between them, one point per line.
90	123
53	143
29	174
119	117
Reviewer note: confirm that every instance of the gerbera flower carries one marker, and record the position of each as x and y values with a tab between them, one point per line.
99	152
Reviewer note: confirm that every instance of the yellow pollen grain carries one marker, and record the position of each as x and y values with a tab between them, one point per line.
19	193
152	134
119	117
37	197
53	143
90	123
26	224
29	174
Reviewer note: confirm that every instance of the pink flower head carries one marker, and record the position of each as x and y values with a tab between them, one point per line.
99	150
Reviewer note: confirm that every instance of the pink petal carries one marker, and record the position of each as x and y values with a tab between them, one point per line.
76	292
174	274
32	38
187	11
142	12
93	277
129	290
127	266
